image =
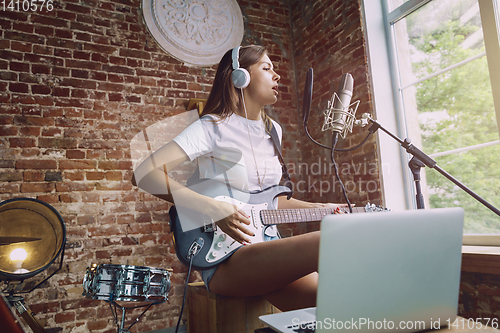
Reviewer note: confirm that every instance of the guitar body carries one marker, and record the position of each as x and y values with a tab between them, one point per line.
197	237
195	233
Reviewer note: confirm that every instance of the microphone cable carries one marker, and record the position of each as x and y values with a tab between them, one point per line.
337	149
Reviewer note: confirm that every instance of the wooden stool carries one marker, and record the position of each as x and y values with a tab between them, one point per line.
212	313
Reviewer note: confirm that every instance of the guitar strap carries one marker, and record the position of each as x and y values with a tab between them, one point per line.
284	170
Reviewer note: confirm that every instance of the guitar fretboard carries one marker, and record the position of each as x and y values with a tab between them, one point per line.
279	216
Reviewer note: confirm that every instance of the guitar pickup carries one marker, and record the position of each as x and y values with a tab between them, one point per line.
211	227
208	226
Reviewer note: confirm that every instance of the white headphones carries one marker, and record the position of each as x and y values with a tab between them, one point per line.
240	76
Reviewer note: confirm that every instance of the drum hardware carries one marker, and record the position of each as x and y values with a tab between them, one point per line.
126	283
120	325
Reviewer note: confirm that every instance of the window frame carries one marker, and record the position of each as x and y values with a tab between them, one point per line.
398	185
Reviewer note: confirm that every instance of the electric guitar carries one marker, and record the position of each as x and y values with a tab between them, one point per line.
197	237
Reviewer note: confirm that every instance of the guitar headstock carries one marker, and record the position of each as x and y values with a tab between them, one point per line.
372	208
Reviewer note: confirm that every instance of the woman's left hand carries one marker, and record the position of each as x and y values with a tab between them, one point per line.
338	207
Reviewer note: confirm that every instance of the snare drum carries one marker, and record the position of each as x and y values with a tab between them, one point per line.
126	283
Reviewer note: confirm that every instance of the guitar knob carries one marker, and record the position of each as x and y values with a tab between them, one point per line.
213	255
218	246
222	237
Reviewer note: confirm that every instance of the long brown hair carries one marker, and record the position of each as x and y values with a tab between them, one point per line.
224	98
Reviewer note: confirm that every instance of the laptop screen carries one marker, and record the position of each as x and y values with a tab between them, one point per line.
378	270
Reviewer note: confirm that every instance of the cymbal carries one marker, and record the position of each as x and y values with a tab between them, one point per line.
13	239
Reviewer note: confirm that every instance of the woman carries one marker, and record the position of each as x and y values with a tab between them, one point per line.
233	145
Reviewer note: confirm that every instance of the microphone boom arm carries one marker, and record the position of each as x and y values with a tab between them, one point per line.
426	160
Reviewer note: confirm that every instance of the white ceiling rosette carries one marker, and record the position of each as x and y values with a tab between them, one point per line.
197	32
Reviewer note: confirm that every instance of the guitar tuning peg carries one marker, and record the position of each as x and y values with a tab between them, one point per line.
368	208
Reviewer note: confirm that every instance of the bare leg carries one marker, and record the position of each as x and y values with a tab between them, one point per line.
281	270
297	295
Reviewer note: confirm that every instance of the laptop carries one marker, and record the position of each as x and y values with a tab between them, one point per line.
384	271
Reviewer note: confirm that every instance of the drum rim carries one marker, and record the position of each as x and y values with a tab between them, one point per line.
123	265
12	276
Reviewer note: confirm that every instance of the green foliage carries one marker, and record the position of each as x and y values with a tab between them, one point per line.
464	94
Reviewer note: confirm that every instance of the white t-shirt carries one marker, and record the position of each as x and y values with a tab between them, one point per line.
224	151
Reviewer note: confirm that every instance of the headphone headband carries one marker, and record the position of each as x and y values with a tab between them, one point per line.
236	56
240	76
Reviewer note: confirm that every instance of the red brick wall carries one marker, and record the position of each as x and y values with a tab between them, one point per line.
479	298
77	83
328	37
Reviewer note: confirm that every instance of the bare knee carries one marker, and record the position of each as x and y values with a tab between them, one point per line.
297	295
253	271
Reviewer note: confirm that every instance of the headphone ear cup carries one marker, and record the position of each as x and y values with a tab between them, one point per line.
240	78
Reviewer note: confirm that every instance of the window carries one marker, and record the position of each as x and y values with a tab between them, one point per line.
443	59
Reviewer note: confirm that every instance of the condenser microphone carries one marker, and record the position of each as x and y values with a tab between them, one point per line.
341	104
339	116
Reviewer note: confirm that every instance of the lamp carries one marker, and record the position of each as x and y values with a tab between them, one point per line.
32	236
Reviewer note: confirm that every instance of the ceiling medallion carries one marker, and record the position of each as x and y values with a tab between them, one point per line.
197	32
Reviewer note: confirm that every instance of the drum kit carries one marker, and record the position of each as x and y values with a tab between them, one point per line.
126	283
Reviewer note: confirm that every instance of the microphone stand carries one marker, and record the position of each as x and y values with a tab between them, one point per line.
421	159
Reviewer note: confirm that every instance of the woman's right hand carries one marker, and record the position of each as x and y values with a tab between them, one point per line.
232	220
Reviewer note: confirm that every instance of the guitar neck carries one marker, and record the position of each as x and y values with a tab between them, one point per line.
280	216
